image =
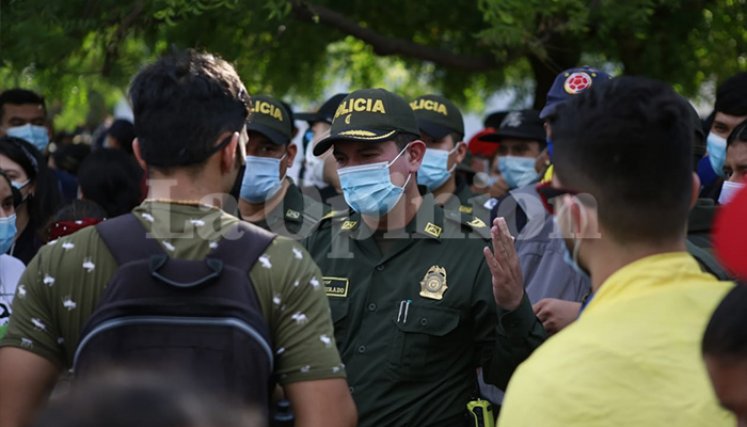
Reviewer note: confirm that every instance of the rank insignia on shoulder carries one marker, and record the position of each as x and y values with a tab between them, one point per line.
290	213
432	229
476	223
349	225
433	284
465	209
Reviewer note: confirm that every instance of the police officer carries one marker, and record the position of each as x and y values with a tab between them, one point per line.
268	198
409	282
442	130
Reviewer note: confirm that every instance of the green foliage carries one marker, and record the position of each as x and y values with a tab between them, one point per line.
82	53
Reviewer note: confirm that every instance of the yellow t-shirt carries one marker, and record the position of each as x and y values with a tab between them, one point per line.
631	359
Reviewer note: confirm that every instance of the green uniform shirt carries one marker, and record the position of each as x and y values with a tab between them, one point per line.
468	203
63	283
296	217
413	324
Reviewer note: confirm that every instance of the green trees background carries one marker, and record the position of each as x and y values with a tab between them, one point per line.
82	53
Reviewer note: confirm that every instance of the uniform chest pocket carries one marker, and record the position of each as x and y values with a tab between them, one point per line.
427	339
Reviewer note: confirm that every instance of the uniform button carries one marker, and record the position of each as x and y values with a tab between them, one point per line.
423	321
380	267
372	307
362	349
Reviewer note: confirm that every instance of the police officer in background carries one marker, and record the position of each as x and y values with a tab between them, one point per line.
319	171
442	130
268	198
411	298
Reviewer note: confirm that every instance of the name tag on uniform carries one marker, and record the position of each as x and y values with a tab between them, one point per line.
336	286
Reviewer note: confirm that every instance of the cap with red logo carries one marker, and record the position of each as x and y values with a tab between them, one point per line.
569	83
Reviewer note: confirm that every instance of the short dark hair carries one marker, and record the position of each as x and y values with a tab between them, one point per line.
738	134
112	179
182	103
18	96
124	132
629	144
731	96
725	335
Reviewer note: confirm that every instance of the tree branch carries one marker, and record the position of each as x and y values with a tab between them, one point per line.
111	51
383	45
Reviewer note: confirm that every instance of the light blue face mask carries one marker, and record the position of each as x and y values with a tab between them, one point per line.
261	179
36	135
7	232
716	147
517	171
571	259
433	172
368	189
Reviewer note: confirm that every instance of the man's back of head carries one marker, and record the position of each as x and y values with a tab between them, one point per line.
628	143
182	103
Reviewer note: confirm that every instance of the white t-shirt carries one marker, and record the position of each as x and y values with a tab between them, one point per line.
10	273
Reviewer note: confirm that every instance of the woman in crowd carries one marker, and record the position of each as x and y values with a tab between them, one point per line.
10	268
40	194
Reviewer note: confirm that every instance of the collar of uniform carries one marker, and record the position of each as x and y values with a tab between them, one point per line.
292	199
647	275
462	190
428	222
293	203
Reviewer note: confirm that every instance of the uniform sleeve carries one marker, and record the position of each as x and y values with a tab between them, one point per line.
299	315
31	325
505	339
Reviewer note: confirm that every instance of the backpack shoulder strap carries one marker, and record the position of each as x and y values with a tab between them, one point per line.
127	239
243	245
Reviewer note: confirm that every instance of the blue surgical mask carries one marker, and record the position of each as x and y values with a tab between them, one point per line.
518	171
7	232
36	135
716	147
434	170
368	189
261	179
571	258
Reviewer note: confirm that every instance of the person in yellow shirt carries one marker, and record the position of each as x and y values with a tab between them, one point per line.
633	356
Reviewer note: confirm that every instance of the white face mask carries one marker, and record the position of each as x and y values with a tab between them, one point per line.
728	191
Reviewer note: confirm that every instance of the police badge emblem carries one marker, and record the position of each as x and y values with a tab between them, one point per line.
433	284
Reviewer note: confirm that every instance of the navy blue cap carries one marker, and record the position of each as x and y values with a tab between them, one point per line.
569	83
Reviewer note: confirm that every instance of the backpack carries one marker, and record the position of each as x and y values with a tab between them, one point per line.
197	319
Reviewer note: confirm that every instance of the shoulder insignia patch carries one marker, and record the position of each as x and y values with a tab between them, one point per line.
349	225
432	229
476	223
292	214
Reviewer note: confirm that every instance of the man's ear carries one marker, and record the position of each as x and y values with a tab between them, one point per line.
695	191
291	151
229	152
136	150
416	151
461	152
